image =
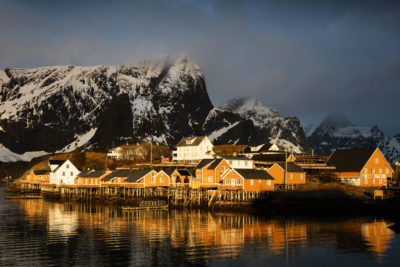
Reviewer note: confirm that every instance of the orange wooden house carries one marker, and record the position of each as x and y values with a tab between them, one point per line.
143	178
294	174
181	177
361	166
163	178
209	172
91	178
38	176
248	180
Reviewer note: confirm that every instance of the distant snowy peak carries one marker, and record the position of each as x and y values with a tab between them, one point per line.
251	108
183	75
337	132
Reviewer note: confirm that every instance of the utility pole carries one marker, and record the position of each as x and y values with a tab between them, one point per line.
285	169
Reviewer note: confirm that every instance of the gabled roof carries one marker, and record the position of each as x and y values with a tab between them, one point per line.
134	176
254	174
195	141
184	172
91	174
203	163
118	173
56	162
167	172
41	172
350	160
291	167
215	164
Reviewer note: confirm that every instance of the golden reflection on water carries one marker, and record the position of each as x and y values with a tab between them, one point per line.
205	234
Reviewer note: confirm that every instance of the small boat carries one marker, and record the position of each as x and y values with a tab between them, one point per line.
135	208
147	205
23	197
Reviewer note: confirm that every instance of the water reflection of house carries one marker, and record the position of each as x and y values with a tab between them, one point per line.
378	236
61	221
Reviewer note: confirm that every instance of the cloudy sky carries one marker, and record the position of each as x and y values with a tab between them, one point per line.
303	58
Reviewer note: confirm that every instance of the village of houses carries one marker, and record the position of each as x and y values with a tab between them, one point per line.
198	164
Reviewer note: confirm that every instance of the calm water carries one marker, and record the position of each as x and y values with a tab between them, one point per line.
39	232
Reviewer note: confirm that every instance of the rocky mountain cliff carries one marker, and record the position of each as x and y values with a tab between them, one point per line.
59	108
248	121
336	131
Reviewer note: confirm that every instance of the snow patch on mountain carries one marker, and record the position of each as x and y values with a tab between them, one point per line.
214	135
7	155
79	141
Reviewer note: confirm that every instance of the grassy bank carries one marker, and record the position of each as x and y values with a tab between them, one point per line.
330	199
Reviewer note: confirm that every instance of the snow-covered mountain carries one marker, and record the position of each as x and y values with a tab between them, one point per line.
59	108
336	132
241	118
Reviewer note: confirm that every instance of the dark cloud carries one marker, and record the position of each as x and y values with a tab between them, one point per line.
300	57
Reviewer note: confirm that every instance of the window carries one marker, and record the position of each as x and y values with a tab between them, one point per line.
152	180
97	181
387	171
380	181
40	177
365	170
233	181
380	170
72	173
227	181
230	162
365	180
291	176
63	174
373	170
238	181
210	179
222	169
301	176
373	181
251	182
67	166
162	179
376	161
152	173
268	182
259	181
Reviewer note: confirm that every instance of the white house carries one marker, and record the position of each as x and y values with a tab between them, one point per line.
239	163
62	172
193	149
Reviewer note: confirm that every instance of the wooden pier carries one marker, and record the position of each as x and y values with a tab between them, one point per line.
174	196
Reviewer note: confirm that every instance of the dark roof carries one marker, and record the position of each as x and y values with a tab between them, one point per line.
254	174
196	141
214	164
91	174
203	163
273	157
41	172
291	167
236	158
134	176
184	172
118	173
56	162
350	160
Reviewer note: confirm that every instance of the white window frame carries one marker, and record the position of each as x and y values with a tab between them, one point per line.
238	181
227	181
251	182
210	179
152	180
162	180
